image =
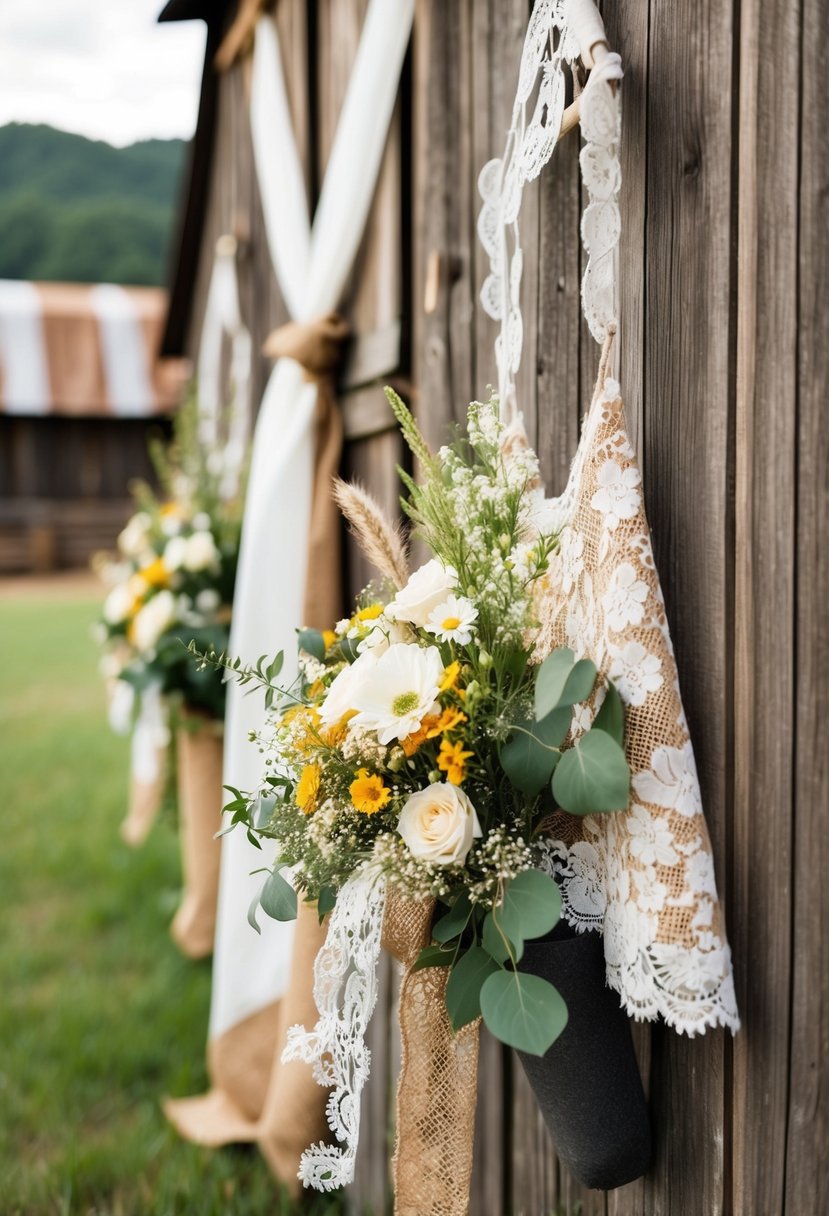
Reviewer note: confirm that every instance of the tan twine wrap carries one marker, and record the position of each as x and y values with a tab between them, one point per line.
437	1087
200	798
318	347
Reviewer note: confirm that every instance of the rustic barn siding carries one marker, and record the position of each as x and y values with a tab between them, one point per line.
722	354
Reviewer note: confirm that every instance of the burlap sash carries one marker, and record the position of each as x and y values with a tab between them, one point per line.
200	798
438	1082
317	346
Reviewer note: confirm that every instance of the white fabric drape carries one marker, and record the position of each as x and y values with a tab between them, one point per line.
223	317
312	264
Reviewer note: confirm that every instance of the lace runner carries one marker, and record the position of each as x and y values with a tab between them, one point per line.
552	41
345	991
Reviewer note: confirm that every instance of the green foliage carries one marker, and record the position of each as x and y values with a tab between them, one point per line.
533	750
523	1011
593	776
463	988
79	210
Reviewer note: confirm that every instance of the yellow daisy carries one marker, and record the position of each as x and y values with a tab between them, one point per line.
370	613
450	676
156	573
308	788
368	793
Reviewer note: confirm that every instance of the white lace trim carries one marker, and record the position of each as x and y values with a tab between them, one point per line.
345	991
550	43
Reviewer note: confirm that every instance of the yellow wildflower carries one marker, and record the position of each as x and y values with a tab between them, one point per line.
452	761
171	510
329	637
368	793
370	613
448	720
450	676
308	788
156	573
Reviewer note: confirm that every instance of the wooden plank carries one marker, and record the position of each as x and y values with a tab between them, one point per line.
687	380
444	173
807	1163
763	598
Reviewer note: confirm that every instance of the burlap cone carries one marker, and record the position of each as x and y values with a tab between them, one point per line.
200	799
437	1087
144	804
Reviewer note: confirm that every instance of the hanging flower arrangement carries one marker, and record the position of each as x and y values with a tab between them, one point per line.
425	743
172	580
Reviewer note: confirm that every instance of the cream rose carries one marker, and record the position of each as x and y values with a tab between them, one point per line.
429	586
157	615
439	824
118	604
135	537
201	552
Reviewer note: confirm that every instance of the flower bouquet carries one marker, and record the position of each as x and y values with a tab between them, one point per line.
172	583
429	740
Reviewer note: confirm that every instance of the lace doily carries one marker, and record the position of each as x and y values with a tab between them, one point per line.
550	43
644	877
345	991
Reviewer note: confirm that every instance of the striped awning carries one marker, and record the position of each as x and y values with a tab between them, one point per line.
82	349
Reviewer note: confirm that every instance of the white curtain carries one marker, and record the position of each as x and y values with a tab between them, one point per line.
312	264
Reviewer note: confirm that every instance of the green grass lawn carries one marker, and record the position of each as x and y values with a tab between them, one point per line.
99	1014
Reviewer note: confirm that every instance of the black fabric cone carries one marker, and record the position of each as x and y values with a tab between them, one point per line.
588	1086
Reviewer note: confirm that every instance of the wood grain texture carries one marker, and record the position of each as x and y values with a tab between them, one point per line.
807	1158
764	458
686	435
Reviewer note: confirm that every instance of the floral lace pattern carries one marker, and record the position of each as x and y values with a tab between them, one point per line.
645	877
345	991
549	44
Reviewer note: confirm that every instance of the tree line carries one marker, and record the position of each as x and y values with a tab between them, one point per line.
79	210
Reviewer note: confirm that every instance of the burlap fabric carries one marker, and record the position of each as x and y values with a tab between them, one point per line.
437	1087
200	799
644	876
318	347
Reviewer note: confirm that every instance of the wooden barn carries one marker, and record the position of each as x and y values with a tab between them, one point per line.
723	356
81	385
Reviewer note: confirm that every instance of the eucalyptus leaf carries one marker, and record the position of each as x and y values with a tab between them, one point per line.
463	988
531	905
593	776
252	913
433	956
349	648
551	679
278	898
611	716
523	1011
326	901
455	920
498	943
579	683
530	753
312	642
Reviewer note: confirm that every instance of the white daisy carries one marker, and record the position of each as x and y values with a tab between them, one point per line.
453	620
398	691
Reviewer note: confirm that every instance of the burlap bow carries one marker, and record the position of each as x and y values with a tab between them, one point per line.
318	347
438	1082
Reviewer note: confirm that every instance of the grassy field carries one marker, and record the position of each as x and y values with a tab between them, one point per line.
99	1015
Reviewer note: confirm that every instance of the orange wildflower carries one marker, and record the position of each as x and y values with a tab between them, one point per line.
452	761
308	788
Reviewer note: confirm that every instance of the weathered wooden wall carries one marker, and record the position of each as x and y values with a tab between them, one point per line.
724	358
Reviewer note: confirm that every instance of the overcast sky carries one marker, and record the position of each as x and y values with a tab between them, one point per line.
103	68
